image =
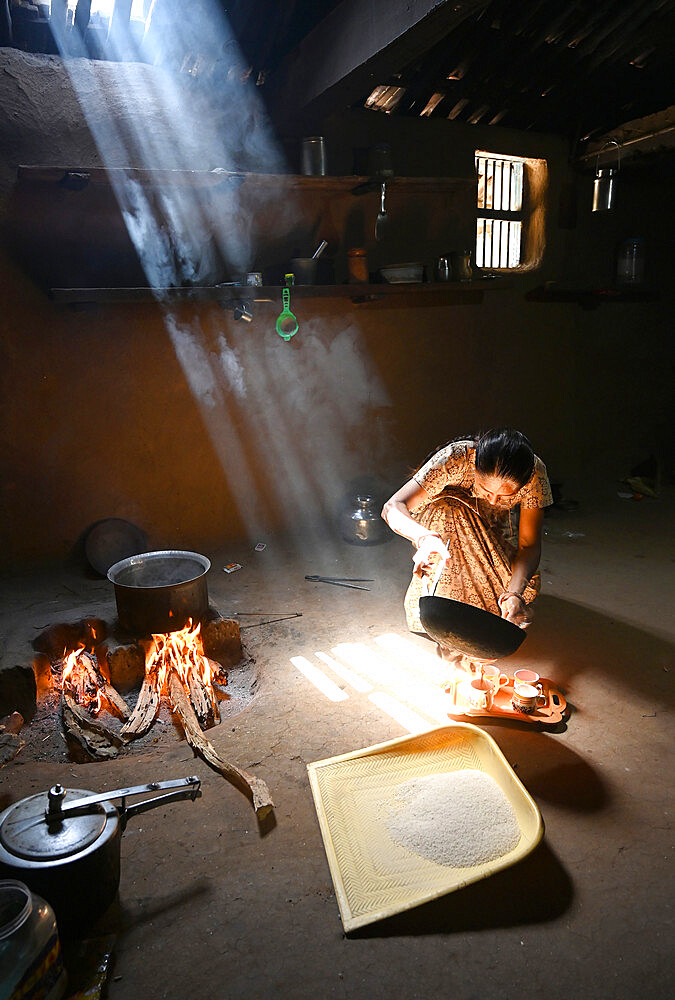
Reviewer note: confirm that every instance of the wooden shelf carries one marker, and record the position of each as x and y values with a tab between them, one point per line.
68	231
77	178
442	290
590	298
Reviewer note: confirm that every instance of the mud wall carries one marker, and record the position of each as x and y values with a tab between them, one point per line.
201	429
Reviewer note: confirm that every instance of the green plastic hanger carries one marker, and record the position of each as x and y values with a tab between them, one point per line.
287	324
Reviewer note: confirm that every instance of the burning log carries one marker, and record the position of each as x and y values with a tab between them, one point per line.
83	679
115	700
202	699
181	652
90	733
146	707
255	788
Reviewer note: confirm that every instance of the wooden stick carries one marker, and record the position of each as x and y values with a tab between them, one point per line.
220	676
116	700
10	745
255	788
200	697
89	664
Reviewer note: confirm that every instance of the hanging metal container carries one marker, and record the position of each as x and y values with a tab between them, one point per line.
604	185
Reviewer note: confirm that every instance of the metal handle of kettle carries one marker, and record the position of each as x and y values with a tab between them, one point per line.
185	788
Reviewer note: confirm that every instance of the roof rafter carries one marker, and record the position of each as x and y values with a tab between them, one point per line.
356	47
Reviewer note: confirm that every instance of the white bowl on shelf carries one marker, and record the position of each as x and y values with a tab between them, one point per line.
397	274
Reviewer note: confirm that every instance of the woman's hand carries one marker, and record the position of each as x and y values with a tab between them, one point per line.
514	609
430	549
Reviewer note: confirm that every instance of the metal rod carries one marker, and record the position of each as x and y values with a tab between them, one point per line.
628	142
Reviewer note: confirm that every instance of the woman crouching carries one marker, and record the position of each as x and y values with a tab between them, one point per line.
477	505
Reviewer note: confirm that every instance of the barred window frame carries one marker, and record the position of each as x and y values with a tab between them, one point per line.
510	211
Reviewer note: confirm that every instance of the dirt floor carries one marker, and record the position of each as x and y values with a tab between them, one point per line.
208	908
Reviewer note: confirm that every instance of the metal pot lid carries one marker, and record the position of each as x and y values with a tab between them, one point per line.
26	833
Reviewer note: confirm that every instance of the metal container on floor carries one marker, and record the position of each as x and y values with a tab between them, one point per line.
157	592
361	522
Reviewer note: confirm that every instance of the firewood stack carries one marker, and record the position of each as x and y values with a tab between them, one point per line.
175	664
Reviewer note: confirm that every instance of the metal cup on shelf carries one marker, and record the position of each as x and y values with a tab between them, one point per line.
443	269
313	161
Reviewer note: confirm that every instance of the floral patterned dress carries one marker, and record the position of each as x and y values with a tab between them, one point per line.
483	538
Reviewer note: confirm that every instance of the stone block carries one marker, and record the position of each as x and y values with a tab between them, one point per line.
62	638
18	691
222	641
123	663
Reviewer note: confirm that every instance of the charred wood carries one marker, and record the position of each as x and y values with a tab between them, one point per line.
10	741
92	735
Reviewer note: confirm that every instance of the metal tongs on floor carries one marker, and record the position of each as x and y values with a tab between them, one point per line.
341	581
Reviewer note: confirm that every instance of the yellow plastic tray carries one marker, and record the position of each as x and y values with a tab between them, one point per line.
374	877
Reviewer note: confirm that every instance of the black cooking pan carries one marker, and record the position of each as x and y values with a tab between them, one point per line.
463	627
468	629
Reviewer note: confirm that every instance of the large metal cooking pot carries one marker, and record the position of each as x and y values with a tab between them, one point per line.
64	844
158	591
470	630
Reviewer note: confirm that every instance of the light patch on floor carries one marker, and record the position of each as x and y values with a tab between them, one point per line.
317	677
404	682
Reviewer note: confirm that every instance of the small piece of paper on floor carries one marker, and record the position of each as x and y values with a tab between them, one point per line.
231	567
260	547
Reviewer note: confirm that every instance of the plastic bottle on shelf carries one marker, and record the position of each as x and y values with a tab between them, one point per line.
630	262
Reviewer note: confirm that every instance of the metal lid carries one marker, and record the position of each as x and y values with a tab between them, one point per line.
25	832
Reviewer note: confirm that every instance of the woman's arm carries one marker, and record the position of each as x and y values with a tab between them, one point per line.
396	512
525	562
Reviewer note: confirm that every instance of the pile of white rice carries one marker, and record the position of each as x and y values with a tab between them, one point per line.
460	819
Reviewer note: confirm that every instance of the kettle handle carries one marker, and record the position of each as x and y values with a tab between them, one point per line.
185	788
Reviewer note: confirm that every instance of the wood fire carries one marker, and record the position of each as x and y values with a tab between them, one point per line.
176	666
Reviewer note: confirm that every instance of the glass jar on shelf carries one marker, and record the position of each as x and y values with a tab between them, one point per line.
630	262
357	264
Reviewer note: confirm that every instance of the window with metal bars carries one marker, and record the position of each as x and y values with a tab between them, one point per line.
499	223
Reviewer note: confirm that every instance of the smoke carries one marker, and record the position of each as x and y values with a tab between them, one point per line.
192	109
291	423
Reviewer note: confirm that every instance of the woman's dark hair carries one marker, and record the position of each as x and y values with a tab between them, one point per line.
505	453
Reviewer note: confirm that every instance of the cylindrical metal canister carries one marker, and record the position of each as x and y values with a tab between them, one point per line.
314	156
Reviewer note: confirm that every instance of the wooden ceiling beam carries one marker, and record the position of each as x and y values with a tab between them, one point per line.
356	47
